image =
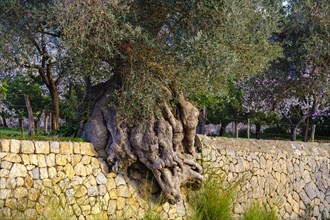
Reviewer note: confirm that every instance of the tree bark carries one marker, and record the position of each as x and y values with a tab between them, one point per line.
164	144
236	129
258	131
46	122
30	115
313	132
223	128
306	130
248	129
293	132
4	122
20	124
55	107
201	122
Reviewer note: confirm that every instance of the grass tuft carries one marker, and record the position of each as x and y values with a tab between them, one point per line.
260	212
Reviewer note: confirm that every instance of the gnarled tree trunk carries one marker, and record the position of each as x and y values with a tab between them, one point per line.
164	144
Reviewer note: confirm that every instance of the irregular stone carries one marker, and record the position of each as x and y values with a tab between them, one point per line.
19	181
33	194
27	147
4	145
26	159
55	147
41	161
47	183
96	209
86	160
123	191
92	191
18	170
86	210
50	160
34	159
76	159
113	194
102	190
3	184
66	148
32	213
80	191
4	173
42	147
15	146
80	169
61	160
120	180
43	173
6	165
76	180
69	193
28	182
87	149
76	147
52	172
101	179
5	193
120	203
310	190
111	184
20	192
68	169
15	158
77	210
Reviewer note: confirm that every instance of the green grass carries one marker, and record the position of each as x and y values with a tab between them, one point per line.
260	212
15	133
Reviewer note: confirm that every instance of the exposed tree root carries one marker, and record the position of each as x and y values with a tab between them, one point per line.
164	145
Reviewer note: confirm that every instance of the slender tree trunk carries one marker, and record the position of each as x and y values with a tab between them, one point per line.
46	122
201	122
313	132
236	129
20	124
223	128
248	129
56	108
293	132
30	115
50	121
306	130
4	122
258	131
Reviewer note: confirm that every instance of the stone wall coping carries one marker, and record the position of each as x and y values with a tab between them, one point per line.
265	146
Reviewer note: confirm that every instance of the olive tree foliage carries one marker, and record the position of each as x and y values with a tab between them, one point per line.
152	56
30	44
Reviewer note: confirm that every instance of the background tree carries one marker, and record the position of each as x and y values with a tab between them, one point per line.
30	45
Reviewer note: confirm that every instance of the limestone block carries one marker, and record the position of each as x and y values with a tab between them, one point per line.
80	169
92	191
52	172
41	160
100	178
28	182
15	146
15	158
123	191
120	203
102	190
86	210
61	159
66	148
76	159
3	183
18	170
27	147
19	181
76	180
4	173
86	159
33	194
4	145
43	173
55	147
5	193
80	191
6	165
96	209
20	192
42	147
120	180
311	190
26	159
112	207
113	194
50	160
87	149
47	183
70	172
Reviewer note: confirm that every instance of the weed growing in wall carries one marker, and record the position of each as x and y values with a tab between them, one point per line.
260	211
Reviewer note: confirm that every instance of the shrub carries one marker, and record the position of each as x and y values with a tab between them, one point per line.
260	212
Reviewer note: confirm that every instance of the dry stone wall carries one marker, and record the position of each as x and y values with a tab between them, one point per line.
41	180
294	176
